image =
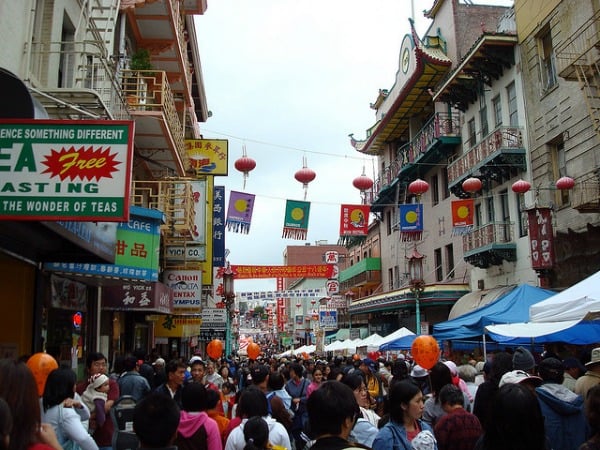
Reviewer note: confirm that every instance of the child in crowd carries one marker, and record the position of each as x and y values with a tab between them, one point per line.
95	396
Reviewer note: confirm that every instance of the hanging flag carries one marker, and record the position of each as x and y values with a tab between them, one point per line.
239	212
354	221
411	222
295	225
462	216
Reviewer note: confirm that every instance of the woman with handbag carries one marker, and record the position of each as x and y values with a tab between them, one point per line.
59	411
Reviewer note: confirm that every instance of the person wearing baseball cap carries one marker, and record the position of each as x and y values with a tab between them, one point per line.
592	377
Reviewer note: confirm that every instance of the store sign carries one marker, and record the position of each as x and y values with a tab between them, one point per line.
65	170
155	297
187	290
328	319
208	156
214	318
189	252
541	238
138	241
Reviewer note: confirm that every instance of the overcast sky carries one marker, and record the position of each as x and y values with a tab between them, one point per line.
291	79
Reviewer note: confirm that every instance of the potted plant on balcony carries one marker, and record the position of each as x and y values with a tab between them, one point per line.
136	86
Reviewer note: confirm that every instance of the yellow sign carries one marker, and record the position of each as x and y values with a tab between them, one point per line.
208	156
174	326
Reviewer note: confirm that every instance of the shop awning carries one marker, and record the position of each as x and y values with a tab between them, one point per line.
175	326
148	297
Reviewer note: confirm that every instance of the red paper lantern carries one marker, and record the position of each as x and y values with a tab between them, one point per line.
565	183
305	176
244	164
425	351
362	183
418	187
41	364
472	185
214	349
253	350
521	186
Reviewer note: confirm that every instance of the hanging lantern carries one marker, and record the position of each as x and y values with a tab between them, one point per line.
244	164
363	184
564	183
521	186
298	305
472	185
305	176
418	187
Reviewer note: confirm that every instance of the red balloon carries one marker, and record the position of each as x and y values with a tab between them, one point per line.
41	364
214	349
374	355
253	350
425	351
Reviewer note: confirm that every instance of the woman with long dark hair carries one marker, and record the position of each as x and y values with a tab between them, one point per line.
60	387
19	389
406	409
515	422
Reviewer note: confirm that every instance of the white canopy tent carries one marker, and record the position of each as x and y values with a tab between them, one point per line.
566	316
400	333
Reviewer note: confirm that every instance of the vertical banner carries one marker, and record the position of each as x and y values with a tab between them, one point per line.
239	212
541	238
411	222
281	313
218	229
462	216
295	225
354	220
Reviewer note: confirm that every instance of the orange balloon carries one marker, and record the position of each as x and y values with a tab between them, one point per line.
41	364
214	349
425	351
253	350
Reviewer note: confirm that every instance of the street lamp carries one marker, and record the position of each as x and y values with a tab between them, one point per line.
228	300
417	283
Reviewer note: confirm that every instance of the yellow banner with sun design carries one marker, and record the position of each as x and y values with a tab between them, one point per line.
462	216
295	225
239	212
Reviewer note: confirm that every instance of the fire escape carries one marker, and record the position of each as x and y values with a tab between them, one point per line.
578	59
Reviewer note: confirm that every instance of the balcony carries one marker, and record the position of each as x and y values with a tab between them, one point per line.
489	245
500	156
581	49
433	143
364	273
159	26
159	137
585	196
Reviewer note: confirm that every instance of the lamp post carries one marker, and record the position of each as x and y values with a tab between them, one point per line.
417	284
228	300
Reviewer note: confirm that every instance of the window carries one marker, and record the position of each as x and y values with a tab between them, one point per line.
445	182
547	59
391	278
478	216
388	222
439	269
485	129
497	105
472	133
513	113
559	169
522	215
490	209
449	261
505	215
435	190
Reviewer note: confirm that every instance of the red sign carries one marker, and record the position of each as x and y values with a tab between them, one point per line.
305	271
281	313
354	220
541	238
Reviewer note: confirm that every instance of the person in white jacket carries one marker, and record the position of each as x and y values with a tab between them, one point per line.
59	409
252	403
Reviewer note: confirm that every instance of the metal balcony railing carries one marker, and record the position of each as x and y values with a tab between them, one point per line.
581	48
500	138
487	235
439	125
175	198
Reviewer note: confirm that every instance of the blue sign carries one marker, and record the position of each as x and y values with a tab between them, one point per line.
328	319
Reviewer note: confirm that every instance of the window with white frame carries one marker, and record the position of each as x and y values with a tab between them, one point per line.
547	59
497	105
513	112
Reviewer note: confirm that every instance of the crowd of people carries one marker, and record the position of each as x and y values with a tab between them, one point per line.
511	401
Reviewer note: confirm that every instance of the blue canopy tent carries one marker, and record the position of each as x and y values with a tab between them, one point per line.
512	307
402	343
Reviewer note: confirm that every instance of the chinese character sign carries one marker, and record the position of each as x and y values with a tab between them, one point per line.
138	241
218	230
354	220
208	156
541	238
